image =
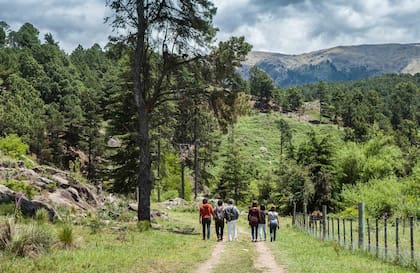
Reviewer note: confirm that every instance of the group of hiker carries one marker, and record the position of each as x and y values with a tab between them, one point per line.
258	218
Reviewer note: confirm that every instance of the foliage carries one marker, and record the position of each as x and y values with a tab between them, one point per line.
31	241
13	146
66	235
234	179
20	186
7	209
260	83
386	196
7	232
41	216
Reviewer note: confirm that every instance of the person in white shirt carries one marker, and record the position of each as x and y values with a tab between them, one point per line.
231	216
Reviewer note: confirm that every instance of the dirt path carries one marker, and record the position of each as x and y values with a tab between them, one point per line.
265	260
211	263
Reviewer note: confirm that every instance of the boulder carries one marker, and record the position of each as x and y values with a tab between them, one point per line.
61	180
6	195
28	207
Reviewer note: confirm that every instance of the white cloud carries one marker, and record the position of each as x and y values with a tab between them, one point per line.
286	26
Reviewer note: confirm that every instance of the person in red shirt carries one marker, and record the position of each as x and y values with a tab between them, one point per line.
206	212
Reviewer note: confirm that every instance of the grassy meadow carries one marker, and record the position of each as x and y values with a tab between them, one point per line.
174	244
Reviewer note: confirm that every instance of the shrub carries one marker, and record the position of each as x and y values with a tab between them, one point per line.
13	146
66	236
95	225
19	186
143	225
7	230
41	216
170	194
31	241
7	209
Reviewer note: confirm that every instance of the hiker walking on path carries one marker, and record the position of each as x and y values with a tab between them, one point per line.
262	224
231	216
206	212
219	220
273	222
254	219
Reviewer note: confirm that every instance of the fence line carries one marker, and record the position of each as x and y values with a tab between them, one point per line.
386	239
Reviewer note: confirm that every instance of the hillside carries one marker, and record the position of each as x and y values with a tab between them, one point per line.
343	63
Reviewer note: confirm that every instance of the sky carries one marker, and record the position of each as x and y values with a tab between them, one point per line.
283	26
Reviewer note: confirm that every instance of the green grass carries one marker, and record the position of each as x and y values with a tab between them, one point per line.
262	130
303	253
122	249
238	257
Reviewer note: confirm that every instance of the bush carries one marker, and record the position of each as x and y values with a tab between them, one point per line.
7	209
13	146
7	230
66	236
143	226
19	186
31	241
171	194
41	216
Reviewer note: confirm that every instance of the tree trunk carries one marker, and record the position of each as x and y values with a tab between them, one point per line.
140	78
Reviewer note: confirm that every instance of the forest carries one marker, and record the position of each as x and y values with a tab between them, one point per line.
79	111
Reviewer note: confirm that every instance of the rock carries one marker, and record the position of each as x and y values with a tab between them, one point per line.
74	194
86	194
27	207
263	150
61	181
133	207
6	195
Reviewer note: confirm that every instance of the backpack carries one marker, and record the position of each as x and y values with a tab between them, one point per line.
262	217
219	215
229	214
253	216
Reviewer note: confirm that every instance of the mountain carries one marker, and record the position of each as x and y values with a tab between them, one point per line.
342	63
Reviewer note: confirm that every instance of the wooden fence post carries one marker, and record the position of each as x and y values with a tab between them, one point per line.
396	237
377	236
368	231
351	233
294	214
344	231
324	221
305	215
338	230
361	207
385	236
412	237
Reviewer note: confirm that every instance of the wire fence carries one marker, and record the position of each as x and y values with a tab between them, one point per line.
391	239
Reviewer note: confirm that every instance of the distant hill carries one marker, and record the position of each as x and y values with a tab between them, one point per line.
342	63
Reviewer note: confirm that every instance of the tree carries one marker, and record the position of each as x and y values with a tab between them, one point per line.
316	153
285	138
25	37
235	176
3	36
293	99
164	36
260	83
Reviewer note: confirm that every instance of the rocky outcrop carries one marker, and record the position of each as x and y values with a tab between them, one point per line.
27	207
54	188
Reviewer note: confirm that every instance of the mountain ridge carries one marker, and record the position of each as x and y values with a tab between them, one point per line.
341	63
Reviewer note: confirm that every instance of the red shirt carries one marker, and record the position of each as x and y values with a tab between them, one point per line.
206	211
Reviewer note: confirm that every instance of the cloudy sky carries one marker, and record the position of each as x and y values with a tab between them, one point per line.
284	26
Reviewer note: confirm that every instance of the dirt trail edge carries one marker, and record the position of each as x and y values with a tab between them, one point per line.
265	260
211	263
